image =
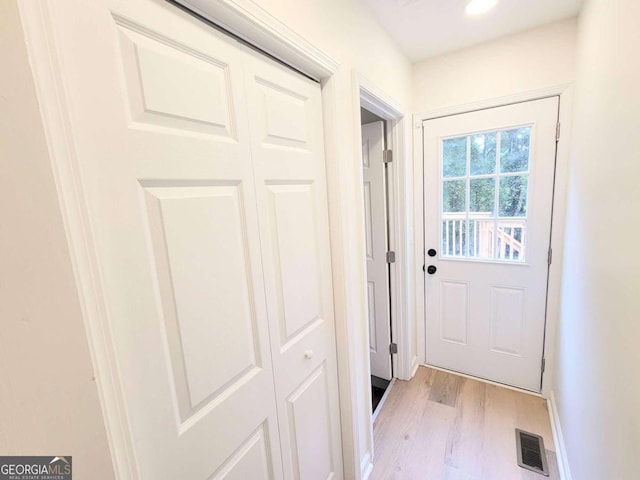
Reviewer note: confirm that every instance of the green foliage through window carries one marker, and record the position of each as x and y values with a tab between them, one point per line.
483	153
514	150
454	195
482	194
513	196
454	157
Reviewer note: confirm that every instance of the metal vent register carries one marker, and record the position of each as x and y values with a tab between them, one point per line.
531	453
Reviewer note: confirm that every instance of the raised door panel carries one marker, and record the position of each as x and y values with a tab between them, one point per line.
161	76
507	317
295	252
285	120
309	419
199	236
368	220
250	461
373	336
454	311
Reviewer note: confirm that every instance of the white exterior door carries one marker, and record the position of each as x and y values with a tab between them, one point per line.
488	201
375	217
203	171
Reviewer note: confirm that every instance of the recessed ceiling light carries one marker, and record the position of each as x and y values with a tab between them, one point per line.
477	7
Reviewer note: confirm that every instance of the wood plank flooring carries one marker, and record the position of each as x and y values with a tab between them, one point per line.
441	426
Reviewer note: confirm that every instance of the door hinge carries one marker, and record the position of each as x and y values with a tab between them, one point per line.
387	156
549	256
543	364
391	257
393	348
557	131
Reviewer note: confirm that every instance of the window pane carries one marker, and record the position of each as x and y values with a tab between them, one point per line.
454	237
473	225
483	153
454	193
482	195
454	157
514	150
481	238
513	196
511	240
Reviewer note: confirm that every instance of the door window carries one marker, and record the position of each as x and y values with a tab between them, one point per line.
485	182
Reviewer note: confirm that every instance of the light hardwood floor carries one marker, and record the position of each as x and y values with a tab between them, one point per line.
441	426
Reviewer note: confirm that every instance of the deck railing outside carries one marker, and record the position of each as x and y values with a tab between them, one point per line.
480	235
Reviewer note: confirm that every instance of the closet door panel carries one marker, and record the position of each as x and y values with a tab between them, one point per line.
285	120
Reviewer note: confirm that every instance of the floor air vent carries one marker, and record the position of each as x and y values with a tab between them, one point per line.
531	454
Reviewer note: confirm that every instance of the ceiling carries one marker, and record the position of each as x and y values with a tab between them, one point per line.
425	28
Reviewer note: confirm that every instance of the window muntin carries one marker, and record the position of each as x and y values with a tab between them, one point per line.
484	201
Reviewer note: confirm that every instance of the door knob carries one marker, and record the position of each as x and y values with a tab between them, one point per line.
431	269
308	354
431	252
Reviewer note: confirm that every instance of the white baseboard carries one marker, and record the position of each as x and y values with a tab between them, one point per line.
415	363
366	467
558	439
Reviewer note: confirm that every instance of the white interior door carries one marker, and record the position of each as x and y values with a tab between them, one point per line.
488	200
285	112
183	203
375	217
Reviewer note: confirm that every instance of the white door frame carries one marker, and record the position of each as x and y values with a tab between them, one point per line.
565	92
367	95
249	21
376	101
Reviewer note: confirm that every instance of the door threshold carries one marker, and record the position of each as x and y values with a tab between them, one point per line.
490	382
382	400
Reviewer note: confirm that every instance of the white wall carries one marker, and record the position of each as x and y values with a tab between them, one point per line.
348	32
597	382
48	396
535	59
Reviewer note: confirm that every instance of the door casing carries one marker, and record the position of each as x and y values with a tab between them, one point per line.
565	92
406	362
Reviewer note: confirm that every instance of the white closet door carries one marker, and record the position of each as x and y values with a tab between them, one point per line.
286	129
160	127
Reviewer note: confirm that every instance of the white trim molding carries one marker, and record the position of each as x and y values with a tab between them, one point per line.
565	92
254	24
372	98
52	99
376	100
490	103
367	95
366	466
558	438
